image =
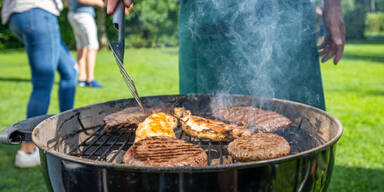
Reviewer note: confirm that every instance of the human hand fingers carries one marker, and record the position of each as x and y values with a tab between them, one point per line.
128	3
128	9
111	5
340	44
330	53
322	45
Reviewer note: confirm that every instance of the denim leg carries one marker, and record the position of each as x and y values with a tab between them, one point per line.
40	33
68	78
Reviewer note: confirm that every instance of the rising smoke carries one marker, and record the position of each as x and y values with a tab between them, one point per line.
255	47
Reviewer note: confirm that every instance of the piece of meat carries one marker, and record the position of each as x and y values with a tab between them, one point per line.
263	120
157	124
165	152
226	160
207	128
130	116
258	146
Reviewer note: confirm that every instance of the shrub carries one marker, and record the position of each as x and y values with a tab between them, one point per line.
375	23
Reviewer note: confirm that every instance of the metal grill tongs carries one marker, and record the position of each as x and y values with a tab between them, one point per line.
118	50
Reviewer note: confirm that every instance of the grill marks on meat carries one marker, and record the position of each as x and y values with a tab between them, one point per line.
130	116
206	128
165	152
157	124
258	146
265	121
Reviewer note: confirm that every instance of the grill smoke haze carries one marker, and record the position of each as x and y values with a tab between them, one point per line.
256	35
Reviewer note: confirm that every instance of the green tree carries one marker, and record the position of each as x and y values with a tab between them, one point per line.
153	23
354	18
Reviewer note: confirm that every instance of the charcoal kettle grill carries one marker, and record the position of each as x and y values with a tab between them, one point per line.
78	155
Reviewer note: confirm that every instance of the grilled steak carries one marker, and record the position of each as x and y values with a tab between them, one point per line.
130	116
165	152
264	121
206	128
157	124
258	146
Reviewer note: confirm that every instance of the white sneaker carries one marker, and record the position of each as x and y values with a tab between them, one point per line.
25	160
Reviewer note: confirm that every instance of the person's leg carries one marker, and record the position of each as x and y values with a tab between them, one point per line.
82	63
91	59
77	27
90	33
39	31
67	87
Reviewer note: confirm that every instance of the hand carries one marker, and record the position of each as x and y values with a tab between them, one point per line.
333	44
101	3
112	4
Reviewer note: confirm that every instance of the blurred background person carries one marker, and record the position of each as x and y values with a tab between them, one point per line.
81	17
36	25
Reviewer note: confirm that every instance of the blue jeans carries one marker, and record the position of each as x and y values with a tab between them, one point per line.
40	33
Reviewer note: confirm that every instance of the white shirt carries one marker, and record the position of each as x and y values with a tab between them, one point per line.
17	6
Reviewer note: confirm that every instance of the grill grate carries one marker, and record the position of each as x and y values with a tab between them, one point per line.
110	147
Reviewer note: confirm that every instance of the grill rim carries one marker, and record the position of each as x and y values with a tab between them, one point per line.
210	168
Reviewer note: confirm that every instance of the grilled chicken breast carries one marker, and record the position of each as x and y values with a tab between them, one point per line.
258	146
165	152
206	128
264	121
157	124
130	116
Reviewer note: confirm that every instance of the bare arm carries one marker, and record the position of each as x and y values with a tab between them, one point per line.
333	44
99	3
112	4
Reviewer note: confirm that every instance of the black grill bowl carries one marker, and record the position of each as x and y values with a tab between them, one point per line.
307	169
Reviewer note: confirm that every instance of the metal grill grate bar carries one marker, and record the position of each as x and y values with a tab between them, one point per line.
103	144
91	144
118	151
86	140
104	154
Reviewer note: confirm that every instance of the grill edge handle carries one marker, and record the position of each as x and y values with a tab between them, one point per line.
21	131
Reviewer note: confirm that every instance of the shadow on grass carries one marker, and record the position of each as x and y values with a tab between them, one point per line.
14	79
372	58
356	179
370	41
359	91
17	80
171	52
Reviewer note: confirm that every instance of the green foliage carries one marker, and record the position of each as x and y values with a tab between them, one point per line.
347	5
7	39
375	23
151	23
355	20
66	29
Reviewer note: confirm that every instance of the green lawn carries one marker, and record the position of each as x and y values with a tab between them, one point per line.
354	93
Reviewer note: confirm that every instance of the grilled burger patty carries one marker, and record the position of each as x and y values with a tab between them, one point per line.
264	121
165	152
258	146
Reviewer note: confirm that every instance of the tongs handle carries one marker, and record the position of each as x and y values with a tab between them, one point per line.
119	21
